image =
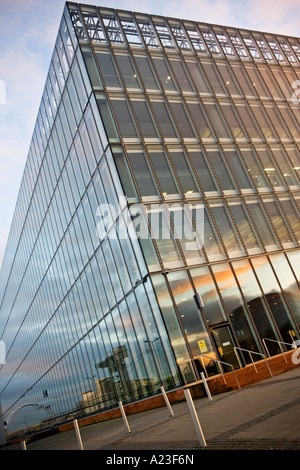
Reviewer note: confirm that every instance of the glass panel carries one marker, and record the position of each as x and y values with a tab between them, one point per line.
189	240
238	169
164	75
107	118
124	174
247	232
164	174
213	78
218	122
274	296
262	225
144	119
92	68
291	215
181	75
226	229
248	121
108	70
198	77
288	282
244	81
205	286
256	302
221	170
236	308
270	168
164	120
203	171
201	123
232	121
294	259
254	169
182	120
162	233
142	174
278	222
147	73
286	168
170	318
257	82
211	241
190	315
228	79
124	119
184	173
225	345
128	72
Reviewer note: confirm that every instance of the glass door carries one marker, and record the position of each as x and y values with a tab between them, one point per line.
225	345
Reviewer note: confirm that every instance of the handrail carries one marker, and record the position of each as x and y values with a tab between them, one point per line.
250	353
279	342
222	362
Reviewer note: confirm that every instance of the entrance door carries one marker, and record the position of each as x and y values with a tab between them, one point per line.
225	343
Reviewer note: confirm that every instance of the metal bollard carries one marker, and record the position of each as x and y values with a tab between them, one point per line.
195	417
167	402
23	445
124	416
80	445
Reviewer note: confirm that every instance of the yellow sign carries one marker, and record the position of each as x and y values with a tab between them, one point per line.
202	346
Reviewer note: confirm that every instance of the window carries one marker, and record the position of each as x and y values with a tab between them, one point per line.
164	120
145	119
108	70
147	73
128	72
124	119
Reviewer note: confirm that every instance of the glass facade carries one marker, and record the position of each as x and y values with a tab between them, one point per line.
164	164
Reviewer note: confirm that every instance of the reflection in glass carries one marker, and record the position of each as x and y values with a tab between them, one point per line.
226	229
246	231
190	316
274	296
164	174
255	301
236	308
288	283
214	312
203	171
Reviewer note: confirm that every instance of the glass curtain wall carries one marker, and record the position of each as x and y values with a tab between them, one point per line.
158	170
210	151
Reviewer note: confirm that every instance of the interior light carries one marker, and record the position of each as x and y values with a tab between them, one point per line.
269	169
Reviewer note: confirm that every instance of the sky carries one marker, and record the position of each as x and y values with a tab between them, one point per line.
28	30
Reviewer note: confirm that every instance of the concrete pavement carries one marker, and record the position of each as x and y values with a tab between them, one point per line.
264	416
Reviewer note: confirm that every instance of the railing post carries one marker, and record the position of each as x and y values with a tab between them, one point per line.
206	386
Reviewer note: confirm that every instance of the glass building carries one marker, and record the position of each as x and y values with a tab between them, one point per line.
157	223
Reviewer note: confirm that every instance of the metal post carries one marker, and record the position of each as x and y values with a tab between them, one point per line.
124	416
78	434
206	386
167	402
23	445
195	417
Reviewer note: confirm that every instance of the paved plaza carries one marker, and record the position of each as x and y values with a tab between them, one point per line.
264	416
